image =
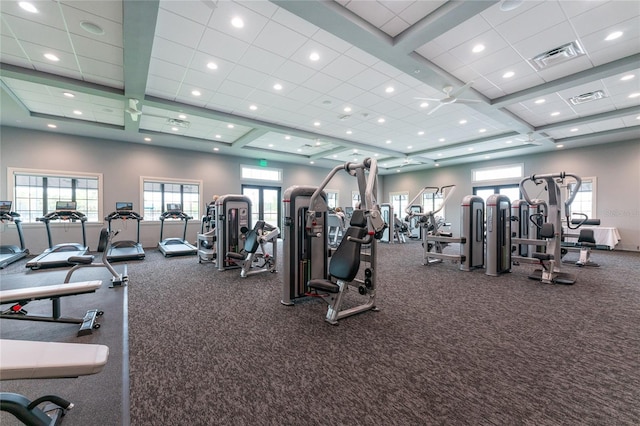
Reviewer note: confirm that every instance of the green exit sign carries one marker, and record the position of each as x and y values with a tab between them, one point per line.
262	163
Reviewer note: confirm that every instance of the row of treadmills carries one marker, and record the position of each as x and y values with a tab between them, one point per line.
57	255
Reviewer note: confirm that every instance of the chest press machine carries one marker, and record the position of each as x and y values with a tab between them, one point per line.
261	234
346	262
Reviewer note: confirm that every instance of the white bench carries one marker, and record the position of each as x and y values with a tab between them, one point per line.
20	297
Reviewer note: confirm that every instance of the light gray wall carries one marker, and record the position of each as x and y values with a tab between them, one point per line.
122	164
616	167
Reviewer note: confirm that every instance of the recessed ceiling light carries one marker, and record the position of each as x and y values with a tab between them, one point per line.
182	116
478	48
540	101
237	22
314	56
508	5
627	77
175	129
230	126
509	141
420	133
575	129
470	149
218	136
638	117
437	164
77	112
397	170
311	162
287	137
216	149
389	89
441	140
52	126
381	120
634	95
482	130
349	132
439	155
270	145
508	74
25	5
196	93
424	104
277	86
487	156
91	28
410	147
347	109
147	139
614	35
69	95
253	107
318	143
355	151
560	146
212	66
388	141
299	149
355	159
51	57
555	113
376	154
316	123
335	155
462	122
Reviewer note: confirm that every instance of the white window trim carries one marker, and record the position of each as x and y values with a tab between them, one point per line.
144	179
11	183
261	181
594	194
333	191
392	194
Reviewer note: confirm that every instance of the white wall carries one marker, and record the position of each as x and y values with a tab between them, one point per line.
122	164
616	167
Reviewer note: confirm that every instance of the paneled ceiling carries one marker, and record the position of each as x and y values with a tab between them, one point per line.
416	84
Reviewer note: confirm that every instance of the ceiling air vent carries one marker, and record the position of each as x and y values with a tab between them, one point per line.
178	123
587	97
558	55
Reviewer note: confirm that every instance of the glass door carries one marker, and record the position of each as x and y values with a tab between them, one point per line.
265	203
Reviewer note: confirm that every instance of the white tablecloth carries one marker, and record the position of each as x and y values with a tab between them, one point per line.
605	236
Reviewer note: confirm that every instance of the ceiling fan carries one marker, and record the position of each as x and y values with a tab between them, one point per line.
451	97
135	113
532	140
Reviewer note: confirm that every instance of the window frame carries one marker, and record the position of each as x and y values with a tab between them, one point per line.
11	184
492	182
336	199
171	181
593	180
400	212
244	167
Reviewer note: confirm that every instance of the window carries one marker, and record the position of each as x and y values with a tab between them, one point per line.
332	198
355	199
585	201
158	192
35	192
260	173
432	202
399	201
512	172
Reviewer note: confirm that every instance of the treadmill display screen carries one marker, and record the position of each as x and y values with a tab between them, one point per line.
124	206
174	207
5	206
65	205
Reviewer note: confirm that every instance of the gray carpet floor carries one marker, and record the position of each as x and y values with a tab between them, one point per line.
447	347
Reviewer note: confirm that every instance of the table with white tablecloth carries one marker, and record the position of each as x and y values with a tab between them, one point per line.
604	235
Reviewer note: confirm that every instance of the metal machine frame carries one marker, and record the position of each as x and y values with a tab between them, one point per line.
175	246
11	253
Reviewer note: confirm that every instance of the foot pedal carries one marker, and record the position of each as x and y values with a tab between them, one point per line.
89	323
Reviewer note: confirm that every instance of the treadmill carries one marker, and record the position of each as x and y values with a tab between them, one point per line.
124	249
11	253
57	255
175	246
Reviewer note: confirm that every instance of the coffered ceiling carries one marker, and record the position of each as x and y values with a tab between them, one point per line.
415	84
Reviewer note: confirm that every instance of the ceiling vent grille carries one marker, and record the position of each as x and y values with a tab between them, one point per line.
558	55
587	97
178	123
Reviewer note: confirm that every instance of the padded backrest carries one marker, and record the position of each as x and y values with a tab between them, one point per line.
358	219
586	236
345	262
251	242
546	231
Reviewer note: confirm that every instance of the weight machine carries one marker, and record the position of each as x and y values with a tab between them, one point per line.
366	227
233	222
249	256
435	239
551	230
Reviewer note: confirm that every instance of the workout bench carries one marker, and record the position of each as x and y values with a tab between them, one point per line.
20	297
21	359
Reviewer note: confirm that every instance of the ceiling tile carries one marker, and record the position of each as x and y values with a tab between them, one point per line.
227	10
537	19
179	29
220	45
279	39
197	11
